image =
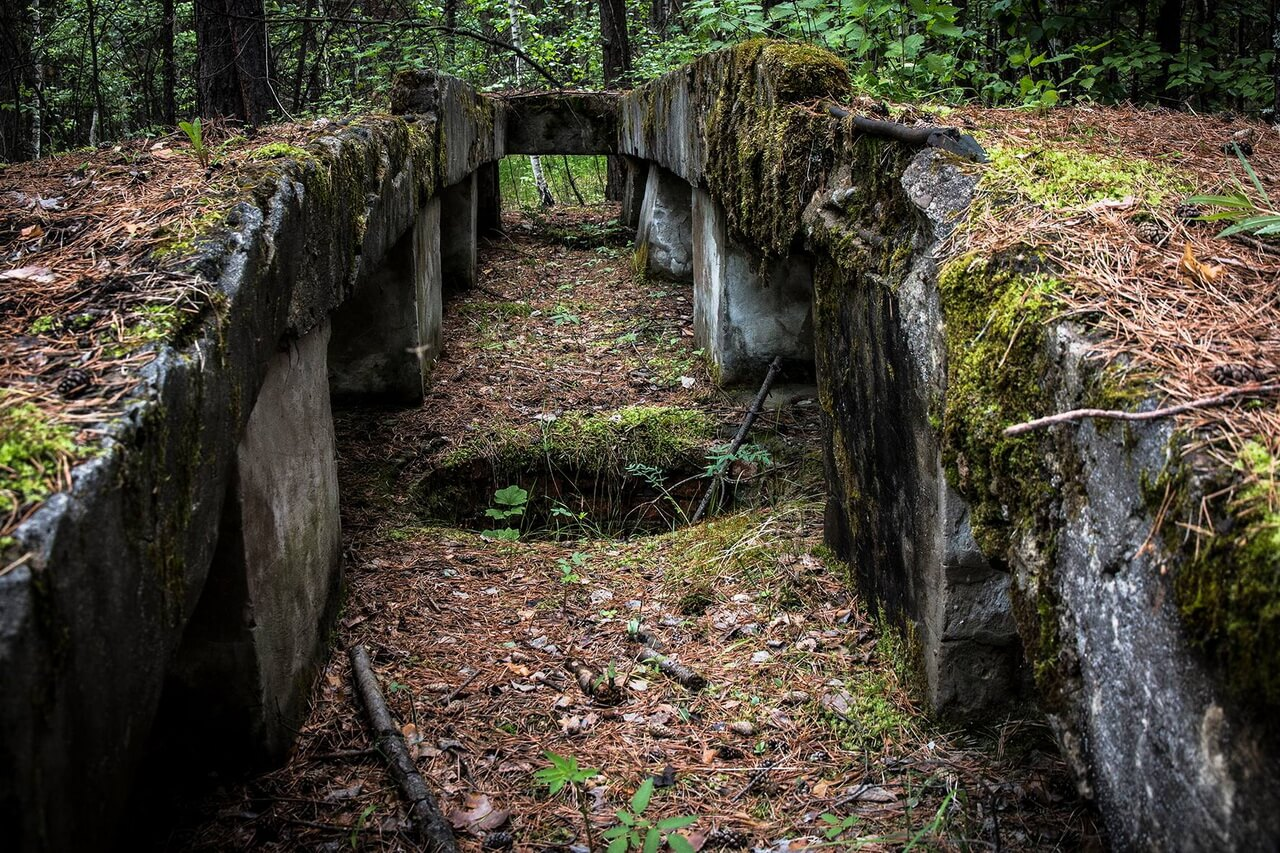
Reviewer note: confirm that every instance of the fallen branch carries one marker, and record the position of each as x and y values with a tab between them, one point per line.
1155	414
922	136
597	686
672	668
428	823
752	414
457	691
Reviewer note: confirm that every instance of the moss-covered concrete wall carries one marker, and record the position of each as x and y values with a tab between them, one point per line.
108	574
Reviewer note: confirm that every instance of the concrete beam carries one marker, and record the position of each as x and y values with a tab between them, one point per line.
562	123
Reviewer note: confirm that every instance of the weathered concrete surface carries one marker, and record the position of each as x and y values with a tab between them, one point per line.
242	677
458	231
561	123
746	310
113	570
387	337
664	234
1174	761
881	367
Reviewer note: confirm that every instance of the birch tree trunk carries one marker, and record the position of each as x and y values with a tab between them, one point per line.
535	162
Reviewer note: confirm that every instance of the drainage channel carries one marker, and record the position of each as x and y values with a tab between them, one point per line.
528	523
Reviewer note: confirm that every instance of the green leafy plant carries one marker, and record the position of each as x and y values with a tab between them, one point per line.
1256	216
360	825
196	135
565	771
837	826
509	503
569	573
720	458
637	832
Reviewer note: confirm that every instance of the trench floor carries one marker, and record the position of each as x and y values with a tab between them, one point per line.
807	735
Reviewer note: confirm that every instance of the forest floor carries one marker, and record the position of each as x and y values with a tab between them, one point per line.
807	734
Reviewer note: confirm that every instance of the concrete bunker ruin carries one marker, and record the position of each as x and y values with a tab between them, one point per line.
196	563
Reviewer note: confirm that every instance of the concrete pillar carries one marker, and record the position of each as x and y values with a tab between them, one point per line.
251	651
747	308
458	235
488	201
386	337
634	180
664	238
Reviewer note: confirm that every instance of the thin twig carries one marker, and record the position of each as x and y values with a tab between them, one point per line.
1154	414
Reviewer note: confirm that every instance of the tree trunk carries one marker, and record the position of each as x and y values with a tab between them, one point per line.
231	60
15	57
615	49
169	98
1275	60
300	67
95	82
37	81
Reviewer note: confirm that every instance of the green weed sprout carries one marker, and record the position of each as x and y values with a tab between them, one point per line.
509	503
194	133
564	770
1256	216
635	832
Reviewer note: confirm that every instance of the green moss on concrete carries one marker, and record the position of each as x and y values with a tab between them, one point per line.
995	320
274	150
766	153
1229	592
32	450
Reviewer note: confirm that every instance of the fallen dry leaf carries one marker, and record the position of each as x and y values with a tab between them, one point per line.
1196	271
479	815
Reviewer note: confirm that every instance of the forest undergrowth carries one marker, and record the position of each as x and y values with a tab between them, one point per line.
514	625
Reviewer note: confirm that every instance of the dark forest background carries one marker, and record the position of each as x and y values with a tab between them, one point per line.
77	72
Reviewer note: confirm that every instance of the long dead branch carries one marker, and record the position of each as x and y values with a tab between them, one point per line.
1155	414
424	812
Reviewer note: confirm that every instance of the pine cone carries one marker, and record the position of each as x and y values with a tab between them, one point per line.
74	382
1188	212
1235	374
732	839
1151	230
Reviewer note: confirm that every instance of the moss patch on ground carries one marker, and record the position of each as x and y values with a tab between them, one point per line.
33	449
1061	178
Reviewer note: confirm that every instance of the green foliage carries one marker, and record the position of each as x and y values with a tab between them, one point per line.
721	457
196	137
32	450
563	770
635	832
1257	216
837	826
569	567
509	503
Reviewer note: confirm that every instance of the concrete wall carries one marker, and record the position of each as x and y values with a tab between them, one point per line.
746	309
113	571
664	227
250	652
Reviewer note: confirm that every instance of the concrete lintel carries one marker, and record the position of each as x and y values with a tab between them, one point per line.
562	123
